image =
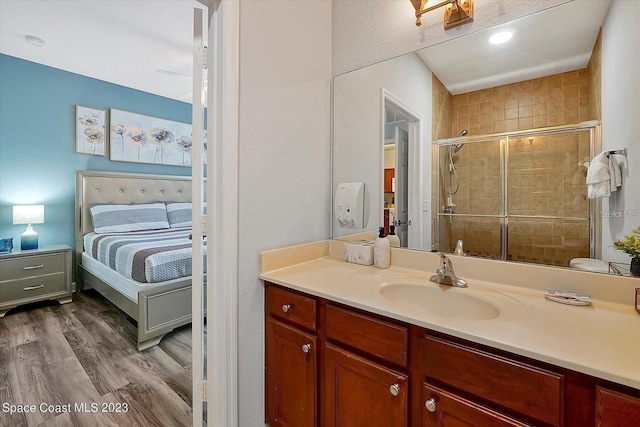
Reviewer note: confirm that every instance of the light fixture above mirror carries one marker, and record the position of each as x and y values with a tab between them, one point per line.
456	12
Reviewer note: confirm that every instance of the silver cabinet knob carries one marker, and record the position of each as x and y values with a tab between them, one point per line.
394	389
286	308
430	405
306	348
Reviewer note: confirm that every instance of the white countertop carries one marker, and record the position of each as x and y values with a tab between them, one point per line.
602	340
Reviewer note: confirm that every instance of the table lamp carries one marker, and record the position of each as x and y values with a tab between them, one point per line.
28	214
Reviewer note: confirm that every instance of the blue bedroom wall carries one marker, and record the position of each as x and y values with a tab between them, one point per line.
37	141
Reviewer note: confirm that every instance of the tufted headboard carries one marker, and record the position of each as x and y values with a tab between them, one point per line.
122	188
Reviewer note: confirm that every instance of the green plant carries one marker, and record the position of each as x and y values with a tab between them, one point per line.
630	244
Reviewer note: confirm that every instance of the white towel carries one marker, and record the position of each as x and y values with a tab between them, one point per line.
614	172
599	177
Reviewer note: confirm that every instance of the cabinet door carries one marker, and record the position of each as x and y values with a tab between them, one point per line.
443	409
360	393
389	174
291	376
616	409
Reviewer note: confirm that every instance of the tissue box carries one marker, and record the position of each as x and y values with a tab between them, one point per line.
359	252
6	245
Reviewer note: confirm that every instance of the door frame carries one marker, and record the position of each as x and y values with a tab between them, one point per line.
416	235
220	390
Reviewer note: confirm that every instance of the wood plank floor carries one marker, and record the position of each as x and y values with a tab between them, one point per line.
80	357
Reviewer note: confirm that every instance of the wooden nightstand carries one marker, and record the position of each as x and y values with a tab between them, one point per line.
35	275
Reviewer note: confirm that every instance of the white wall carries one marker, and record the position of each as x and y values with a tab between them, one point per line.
389	26
357	127
621	119
285	71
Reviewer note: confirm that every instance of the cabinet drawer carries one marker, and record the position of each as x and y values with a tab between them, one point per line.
16	290
291	306
615	409
528	390
29	266
379	338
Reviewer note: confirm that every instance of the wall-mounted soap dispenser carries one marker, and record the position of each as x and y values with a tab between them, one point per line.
349	205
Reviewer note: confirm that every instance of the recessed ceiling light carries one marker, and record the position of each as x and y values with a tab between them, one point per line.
34	41
501	37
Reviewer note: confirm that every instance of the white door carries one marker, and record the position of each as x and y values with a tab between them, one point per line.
402	183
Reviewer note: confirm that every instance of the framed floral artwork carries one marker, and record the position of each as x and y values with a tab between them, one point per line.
90	131
144	139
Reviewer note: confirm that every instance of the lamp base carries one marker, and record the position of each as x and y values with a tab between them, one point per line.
29	239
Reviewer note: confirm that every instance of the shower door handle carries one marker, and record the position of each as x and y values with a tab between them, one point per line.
399	223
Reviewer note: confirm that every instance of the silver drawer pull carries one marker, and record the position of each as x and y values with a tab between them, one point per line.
430	405
394	389
306	348
286	308
31	288
33	267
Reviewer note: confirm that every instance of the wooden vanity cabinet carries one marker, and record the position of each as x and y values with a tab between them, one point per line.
291	359
329	365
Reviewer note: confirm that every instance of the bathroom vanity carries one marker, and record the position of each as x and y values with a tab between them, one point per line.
344	348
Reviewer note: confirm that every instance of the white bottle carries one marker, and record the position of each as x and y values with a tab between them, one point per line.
381	251
393	239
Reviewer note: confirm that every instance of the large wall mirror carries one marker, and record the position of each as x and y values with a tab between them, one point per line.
486	143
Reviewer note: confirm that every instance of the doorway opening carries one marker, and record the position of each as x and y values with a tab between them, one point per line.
401	169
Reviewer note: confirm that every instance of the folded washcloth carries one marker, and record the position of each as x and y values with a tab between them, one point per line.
599	177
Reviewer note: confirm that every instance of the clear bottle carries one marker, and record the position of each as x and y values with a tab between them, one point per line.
381	251
458	250
394	240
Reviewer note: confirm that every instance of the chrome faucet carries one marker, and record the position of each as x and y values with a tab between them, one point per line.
445	274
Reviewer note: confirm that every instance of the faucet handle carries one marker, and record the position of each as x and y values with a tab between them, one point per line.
446	262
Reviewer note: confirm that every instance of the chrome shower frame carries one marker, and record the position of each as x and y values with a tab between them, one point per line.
595	205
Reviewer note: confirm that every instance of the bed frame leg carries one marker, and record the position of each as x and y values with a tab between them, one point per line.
143	345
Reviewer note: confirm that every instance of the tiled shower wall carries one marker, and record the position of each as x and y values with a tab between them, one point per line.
548	101
543	176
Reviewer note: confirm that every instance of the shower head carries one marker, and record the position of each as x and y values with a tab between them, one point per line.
458	147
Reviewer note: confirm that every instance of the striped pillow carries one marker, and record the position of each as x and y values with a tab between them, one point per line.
179	214
123	218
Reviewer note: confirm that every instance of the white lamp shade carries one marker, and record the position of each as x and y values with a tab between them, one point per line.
28	214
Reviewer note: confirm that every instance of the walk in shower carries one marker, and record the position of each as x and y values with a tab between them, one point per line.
519	195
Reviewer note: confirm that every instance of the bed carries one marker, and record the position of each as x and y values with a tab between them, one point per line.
151	292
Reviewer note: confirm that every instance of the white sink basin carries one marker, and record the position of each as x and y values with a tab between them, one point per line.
419	295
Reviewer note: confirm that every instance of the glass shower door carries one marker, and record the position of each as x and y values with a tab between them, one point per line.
547	205
470	194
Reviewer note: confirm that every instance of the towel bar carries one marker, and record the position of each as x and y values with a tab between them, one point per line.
622	152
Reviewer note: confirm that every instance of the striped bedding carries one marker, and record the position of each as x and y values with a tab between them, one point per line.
144	256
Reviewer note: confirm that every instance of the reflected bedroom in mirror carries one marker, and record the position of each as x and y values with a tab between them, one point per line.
509	143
